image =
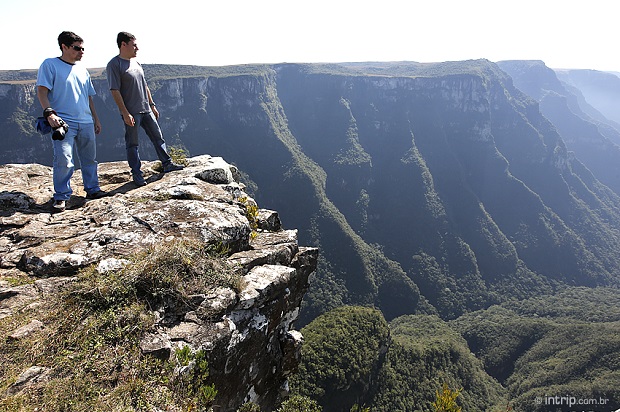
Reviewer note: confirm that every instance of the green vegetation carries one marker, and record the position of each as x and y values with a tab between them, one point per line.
295	403
24	124
175	270
398	69
342	352
567	343
251	212
446	400
426	353
582	360
499	337
351	357
561	344
178	155
451	295
299	404
573	304
90	344
191	384
154	72
158	72
249	407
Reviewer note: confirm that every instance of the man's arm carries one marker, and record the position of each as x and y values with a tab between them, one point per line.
91	104
118	99
152	103
42	94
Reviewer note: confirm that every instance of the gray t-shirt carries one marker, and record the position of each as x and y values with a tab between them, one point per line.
127	77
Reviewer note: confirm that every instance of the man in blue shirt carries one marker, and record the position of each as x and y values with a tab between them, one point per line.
133	98
65	91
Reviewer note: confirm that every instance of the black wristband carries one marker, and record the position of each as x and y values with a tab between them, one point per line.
48	112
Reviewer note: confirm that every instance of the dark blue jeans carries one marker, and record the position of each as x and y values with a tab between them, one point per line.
148	122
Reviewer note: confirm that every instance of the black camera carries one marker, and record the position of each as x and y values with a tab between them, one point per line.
59	132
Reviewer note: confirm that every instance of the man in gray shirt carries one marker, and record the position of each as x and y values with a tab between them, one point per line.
133	98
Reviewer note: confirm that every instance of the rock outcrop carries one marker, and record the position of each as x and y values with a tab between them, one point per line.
248	333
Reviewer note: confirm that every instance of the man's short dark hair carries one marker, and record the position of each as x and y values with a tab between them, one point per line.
124	37
68	38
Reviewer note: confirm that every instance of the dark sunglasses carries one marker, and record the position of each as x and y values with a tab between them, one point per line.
77	48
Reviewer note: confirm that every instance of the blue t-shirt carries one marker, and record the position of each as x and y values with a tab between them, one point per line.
69	88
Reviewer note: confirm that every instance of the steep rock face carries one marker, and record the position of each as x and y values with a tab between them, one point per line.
464	169
585	195
594	139
600	90
248	335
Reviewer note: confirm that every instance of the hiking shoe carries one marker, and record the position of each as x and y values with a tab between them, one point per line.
96	195
139	181
171	167
58	206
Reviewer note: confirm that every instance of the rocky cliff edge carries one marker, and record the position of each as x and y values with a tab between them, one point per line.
247	333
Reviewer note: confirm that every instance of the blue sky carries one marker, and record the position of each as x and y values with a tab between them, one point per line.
216	33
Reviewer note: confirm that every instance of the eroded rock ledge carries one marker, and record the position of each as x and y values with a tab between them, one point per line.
248	334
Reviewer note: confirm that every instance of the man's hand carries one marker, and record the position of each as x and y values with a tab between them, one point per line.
54	121
128	119
97	127
155	112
